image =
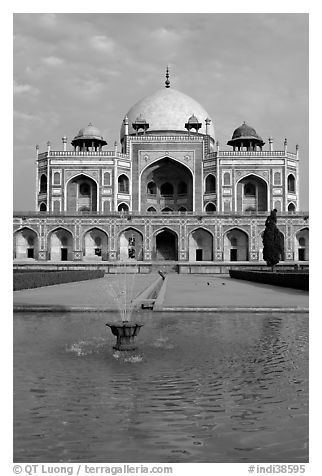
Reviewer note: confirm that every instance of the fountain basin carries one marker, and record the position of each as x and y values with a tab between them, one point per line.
125	333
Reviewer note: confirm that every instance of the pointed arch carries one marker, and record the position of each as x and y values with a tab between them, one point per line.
95	244
252	191
123	207
123	183
174	180
26	243
60	244
200	244
151	188
165	244
291	183
130	244
210	207
302	244
75	198
166	189
236	244
210	183
166	209
43	183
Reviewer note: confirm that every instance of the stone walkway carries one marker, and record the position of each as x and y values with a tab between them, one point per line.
98	294
179	293
195	292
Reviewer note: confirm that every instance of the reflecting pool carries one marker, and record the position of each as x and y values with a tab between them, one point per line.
216	388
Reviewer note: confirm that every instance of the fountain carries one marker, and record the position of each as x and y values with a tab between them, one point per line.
122	292
125	332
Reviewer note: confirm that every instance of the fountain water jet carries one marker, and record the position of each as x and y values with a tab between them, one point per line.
122	293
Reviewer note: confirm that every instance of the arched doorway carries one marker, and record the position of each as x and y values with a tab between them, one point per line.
291	183
200	245
235	245
43	184
95	245
166	245
131	245
123	207
166	184
210	207
251	194
123	184
25	244
210	184
81	194
302	245
61	245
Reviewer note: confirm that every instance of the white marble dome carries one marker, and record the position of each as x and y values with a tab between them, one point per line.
168	110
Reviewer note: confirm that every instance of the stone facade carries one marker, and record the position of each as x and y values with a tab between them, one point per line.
169	194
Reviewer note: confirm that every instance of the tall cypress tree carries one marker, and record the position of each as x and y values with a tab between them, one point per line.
272	241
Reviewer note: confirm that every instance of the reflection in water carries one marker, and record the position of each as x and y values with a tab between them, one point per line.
206	388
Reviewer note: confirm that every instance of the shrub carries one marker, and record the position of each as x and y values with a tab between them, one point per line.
272	241
35	279
291	279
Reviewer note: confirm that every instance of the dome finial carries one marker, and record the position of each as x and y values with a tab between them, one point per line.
167	81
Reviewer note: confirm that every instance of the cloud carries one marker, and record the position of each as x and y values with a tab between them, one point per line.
102	43
24	88
48	20
53	61
166	34
23	116
86	88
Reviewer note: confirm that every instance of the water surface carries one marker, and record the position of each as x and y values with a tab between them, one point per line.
201	388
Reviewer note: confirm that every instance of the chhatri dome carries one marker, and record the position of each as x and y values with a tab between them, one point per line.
246	133
89	132
88	138
168	110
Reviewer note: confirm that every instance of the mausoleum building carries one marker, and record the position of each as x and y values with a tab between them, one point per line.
169	191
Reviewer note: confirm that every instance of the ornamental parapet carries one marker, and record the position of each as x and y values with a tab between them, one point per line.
167	138
71	153
251	153
253	214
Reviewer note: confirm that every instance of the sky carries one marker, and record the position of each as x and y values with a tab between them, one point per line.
70	69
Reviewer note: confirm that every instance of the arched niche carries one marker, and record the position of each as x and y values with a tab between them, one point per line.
210	207
60	245
210	184
252	193
200	245
26	245
165	245
43	183
236	245
81	193
302	245
123	207
95	245
131	245
291	183
123	184
173	185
